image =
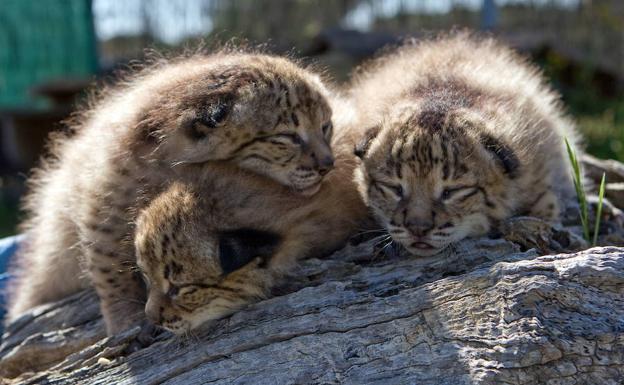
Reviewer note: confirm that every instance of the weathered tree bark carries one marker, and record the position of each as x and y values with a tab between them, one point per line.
489	311
485	313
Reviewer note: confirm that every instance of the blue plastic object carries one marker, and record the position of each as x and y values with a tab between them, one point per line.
8	247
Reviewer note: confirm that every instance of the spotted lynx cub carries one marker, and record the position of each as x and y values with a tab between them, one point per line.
260	113
457	134
204	256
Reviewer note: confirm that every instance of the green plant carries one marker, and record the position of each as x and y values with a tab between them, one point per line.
582	197
599	209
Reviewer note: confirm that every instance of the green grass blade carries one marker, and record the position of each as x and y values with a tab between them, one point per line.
572	157
599	209
580	191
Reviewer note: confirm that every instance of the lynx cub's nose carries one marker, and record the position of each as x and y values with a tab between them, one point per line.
325	164
419	227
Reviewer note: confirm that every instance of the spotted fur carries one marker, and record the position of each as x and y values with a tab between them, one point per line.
204	257
457	134
261	113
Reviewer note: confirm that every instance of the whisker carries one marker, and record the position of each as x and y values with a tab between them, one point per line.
366	233
377	246
387	245
381	250
384	237
193	335
131	300
180	163
187	336
376	231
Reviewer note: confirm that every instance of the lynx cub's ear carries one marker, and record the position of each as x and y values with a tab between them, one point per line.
217	112
211	116
362	147
239	247
503	153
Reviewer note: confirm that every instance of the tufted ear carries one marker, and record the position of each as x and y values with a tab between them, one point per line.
361	148
239	247
212	115
504	154
217	112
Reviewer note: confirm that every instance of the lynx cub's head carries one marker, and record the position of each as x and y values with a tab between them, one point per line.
196	267
433	177
263	113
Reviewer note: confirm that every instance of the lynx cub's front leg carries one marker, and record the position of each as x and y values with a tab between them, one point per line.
122	296
112	264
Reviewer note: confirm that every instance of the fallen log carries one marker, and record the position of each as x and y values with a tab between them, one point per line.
487	311
483	313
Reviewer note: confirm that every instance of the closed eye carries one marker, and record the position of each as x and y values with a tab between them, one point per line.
181	293
396	190
292	138
186	290
458	193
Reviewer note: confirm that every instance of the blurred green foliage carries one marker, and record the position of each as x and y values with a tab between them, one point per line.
595	101
40	41
8	217
604	133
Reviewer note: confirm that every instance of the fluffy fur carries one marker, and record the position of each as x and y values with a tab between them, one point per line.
260	113
205	257
457	134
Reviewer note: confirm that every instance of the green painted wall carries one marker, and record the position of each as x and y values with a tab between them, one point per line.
42	40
